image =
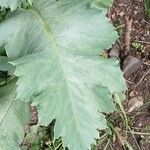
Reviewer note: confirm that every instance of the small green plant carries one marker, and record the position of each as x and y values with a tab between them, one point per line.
53	63
137	45
147	6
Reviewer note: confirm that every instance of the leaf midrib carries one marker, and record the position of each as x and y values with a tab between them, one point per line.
35	12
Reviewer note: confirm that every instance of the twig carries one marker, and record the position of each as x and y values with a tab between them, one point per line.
142	78
145	63
138	133
128	29
143	42
129	82
146	21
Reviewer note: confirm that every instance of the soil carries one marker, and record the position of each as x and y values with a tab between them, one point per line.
133	26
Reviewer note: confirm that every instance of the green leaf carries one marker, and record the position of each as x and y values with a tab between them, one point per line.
102	4
6	69
14	115
5	66
147	6
12	4
55	47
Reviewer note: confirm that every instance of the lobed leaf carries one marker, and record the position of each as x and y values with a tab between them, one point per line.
55	47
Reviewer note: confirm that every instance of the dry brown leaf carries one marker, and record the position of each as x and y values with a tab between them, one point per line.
135	103
133	94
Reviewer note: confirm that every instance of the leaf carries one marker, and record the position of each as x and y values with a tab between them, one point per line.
102	4
5	66
6	69
55	47
12	4
134	103
14	115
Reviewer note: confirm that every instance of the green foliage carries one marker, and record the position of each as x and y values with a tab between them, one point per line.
13	4
5	66
3	13
54	46
137	45
14	115
147	6
101	4
2	51
43	138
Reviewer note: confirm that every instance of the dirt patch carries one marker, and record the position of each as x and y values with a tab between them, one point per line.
133	26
